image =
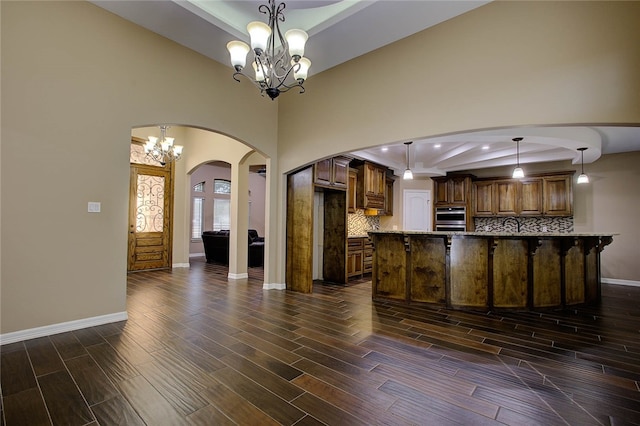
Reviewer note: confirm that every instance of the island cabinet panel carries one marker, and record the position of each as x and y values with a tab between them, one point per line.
390	267
547	273
469	272
510	273
484	271
428	269
592	274
574	278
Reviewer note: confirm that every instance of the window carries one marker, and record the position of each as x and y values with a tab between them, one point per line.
197	219
199	187
221	214
222	186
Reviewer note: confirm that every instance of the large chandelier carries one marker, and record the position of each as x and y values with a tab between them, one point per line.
275	57
162	150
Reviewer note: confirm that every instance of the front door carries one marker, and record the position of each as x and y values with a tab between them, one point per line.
150	207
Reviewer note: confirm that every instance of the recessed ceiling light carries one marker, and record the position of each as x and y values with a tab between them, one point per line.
485	147
384	149
437	145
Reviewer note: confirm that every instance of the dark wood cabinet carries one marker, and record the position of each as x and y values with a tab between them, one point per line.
483	194
454	190
359	256
355	257
371	188
388	196
367	255
506	202
558	195
530	197
539	195
332	172
352	190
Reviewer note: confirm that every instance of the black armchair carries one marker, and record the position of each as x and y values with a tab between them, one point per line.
216	247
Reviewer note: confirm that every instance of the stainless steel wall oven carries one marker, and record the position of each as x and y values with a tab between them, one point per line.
451	219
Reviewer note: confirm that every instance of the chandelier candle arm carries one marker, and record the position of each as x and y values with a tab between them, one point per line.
278	61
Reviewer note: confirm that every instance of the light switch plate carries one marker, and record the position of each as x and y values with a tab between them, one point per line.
93	207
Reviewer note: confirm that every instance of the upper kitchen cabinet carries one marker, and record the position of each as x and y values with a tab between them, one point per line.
332	172
530	199
370	192
453	190
353	184
388	196
558	195
483	194
538	195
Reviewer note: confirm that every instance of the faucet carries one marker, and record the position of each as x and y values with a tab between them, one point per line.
514	219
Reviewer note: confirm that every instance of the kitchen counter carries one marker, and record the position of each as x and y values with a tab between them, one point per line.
488	270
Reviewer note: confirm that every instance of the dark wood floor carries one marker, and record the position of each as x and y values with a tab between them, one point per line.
200	350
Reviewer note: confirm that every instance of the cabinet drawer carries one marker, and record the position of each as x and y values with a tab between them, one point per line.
355	244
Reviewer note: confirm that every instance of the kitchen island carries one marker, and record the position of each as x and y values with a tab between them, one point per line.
485	271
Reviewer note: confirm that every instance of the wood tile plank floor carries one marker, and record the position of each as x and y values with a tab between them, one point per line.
198	349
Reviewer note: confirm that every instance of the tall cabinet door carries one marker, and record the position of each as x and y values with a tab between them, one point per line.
299	263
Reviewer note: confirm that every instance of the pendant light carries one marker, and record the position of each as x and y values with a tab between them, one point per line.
583	178
518	173
408	174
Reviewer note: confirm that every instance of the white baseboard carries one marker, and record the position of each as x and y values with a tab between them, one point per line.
616	281
232	276
274	286
196	254
63	327
181	265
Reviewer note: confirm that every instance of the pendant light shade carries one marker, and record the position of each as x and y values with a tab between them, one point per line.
583	178
518	172
408	174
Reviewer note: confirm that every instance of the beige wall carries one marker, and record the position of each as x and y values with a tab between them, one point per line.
76	79
504	64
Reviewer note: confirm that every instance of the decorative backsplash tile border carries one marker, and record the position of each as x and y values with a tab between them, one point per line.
359	224
527	224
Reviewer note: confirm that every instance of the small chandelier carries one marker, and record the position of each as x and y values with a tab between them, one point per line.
273	67
518	173
408	174
162	150
583	178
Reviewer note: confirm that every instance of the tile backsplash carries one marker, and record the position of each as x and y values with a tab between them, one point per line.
359	224
527	224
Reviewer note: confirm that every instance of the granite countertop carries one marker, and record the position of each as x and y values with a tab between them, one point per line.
501	234
360	235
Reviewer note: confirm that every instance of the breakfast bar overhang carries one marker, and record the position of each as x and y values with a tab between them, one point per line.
486	271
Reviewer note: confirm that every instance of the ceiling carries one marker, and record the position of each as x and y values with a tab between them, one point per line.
206	26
